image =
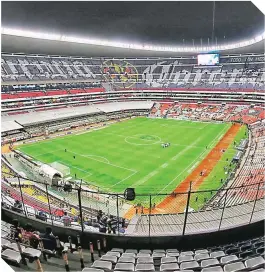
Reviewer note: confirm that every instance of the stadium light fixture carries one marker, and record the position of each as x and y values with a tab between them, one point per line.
134	46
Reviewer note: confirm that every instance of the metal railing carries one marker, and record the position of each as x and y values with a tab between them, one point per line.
176	213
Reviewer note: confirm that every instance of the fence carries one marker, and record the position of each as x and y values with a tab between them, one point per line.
175	213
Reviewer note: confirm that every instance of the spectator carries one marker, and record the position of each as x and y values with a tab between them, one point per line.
103	225
16	231
42	216
112	224
29	237
99	215
66	219
17	207
48	239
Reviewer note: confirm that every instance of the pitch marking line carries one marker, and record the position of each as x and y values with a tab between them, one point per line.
201	154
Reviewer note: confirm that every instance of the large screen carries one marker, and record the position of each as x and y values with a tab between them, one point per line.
208	59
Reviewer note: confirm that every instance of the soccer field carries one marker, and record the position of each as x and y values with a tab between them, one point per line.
129	153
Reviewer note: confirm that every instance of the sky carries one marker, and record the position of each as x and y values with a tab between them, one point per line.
147	22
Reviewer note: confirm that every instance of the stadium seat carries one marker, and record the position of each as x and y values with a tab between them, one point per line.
172	250
109	258
228	259
145	267
11	255
87	269
213	269
135	251
201	251
120	250
165	260
169	267
189	265
148	260
200	257
128	254
139	255
124	267
106	266
234	267
185	258
114	253
124	259
217	254
145	251
186	253
253	263
209	262
172	254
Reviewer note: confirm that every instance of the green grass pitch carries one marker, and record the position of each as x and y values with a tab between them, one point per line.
129	153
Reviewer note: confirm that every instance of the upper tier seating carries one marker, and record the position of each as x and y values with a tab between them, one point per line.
155	73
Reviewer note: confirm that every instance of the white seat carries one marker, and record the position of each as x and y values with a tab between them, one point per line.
87	269
124	267
102	265
165	260
109	258
120	250
124	259
114	253
11	255
145	260
169	267
145	267
31	252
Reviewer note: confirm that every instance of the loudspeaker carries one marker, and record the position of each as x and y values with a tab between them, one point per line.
67	188
129	194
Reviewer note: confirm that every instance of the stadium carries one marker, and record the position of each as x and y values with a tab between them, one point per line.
133	156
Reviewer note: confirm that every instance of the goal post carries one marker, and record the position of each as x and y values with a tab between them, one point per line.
65	170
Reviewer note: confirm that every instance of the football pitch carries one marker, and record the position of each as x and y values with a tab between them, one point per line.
128	154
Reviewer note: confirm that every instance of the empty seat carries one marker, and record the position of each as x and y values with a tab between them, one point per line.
31	252
124	259
256	262
132	255
217	254
4	242
258	270
209	262
232	250
189	265
246	254
11	255
87	269
186	253
213	269
120	250
102	265
139	255
124	267
165	260
201	251
13	246
169	267
159	251
172	254
234	267
186	258
135	251
201	257
158	255
228	259
109	258
114	253
171	250
145	260
245	247
144	267
145	251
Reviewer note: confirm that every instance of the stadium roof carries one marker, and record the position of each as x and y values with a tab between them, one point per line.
88	28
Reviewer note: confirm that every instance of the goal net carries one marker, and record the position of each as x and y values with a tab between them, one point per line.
65	170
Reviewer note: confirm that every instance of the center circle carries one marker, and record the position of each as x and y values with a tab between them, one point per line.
143	139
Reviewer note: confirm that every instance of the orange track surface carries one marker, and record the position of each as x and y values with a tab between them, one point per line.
5	149
177	204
